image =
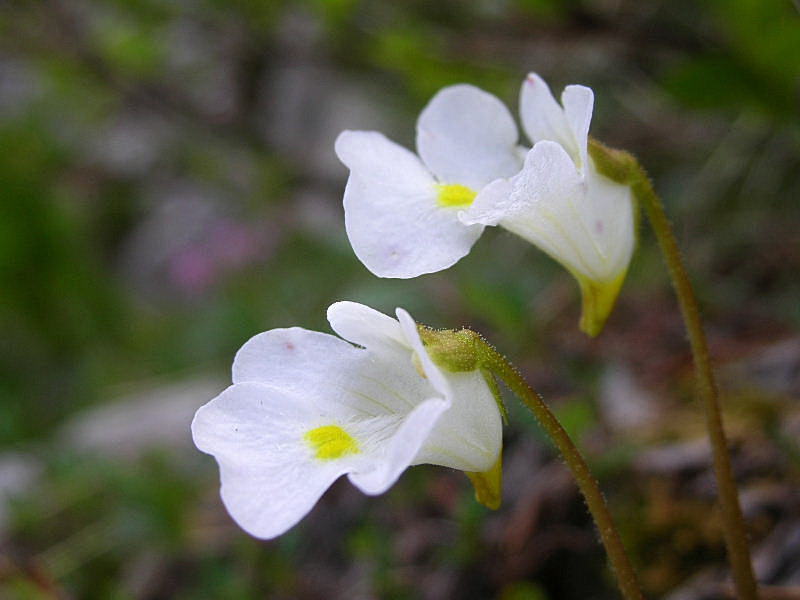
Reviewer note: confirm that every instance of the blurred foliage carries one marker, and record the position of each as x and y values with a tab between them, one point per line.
164	195
747	69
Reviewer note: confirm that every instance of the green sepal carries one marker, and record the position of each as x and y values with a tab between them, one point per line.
451	349
495	389
618	165
458	351
489	484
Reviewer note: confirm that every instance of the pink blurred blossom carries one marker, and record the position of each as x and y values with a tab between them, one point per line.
228	246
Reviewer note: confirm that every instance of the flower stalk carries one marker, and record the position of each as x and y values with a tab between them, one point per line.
496	364
623	167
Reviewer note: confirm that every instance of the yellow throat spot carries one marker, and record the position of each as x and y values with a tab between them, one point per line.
455	195
331	441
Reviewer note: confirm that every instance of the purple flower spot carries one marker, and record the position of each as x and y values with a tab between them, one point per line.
192	270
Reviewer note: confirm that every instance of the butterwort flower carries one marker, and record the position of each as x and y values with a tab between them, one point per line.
401	209
560	203
306	408
407	215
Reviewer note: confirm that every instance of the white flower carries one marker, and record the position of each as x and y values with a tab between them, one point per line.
560	203
307	407
401	210
406	217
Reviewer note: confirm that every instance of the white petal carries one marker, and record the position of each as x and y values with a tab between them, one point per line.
541	206
393	220
333	374
585	223
270	475
578	101
491	205
608	210
401	449
469	436
293	359
548	179
543	118
364	326
467	136
373	157
432	372
546	203
269	478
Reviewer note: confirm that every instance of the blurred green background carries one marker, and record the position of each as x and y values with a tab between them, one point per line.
168	188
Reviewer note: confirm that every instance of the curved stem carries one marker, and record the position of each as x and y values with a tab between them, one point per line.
622	167
735	528
626	577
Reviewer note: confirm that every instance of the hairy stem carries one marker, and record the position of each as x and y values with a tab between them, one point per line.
624	168
501	368
735	527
